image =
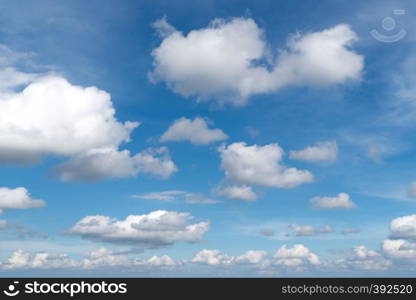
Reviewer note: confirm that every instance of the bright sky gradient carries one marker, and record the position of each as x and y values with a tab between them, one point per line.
207	138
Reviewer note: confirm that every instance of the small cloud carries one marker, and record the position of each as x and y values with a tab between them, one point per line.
195	131
342	201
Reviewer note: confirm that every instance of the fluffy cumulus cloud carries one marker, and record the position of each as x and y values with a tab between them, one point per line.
156	229
3	224
212	257
293	259
195	131
18	198
401	244
324	151
229	60
342	201
174	195
101	163
287	259
260	165
400	249
52	116
403	227
101	258
309	230
412	190
362	258
236	191
105	258
297	256
44	114
217	258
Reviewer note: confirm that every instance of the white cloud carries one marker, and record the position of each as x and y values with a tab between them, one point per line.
324	151
234	191
101	163
173	195
309	230
156	229
11	78
412	190
342	201
296	256
306	230
18	198
400	250
101	258
403	227
366	259
252	257
362	252
195	131
162	196
401	244
52	116
260	165
222	60
267	232
159	261
217	258
105	258
44	114
349	231
42	260
212	257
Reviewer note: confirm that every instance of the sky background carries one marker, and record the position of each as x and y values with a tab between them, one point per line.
355	107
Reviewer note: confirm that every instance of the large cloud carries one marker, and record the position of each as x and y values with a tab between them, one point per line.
196	131
260	165
229	60
18	198
156	229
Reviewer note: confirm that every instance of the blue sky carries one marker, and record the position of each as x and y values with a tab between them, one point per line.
272	139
